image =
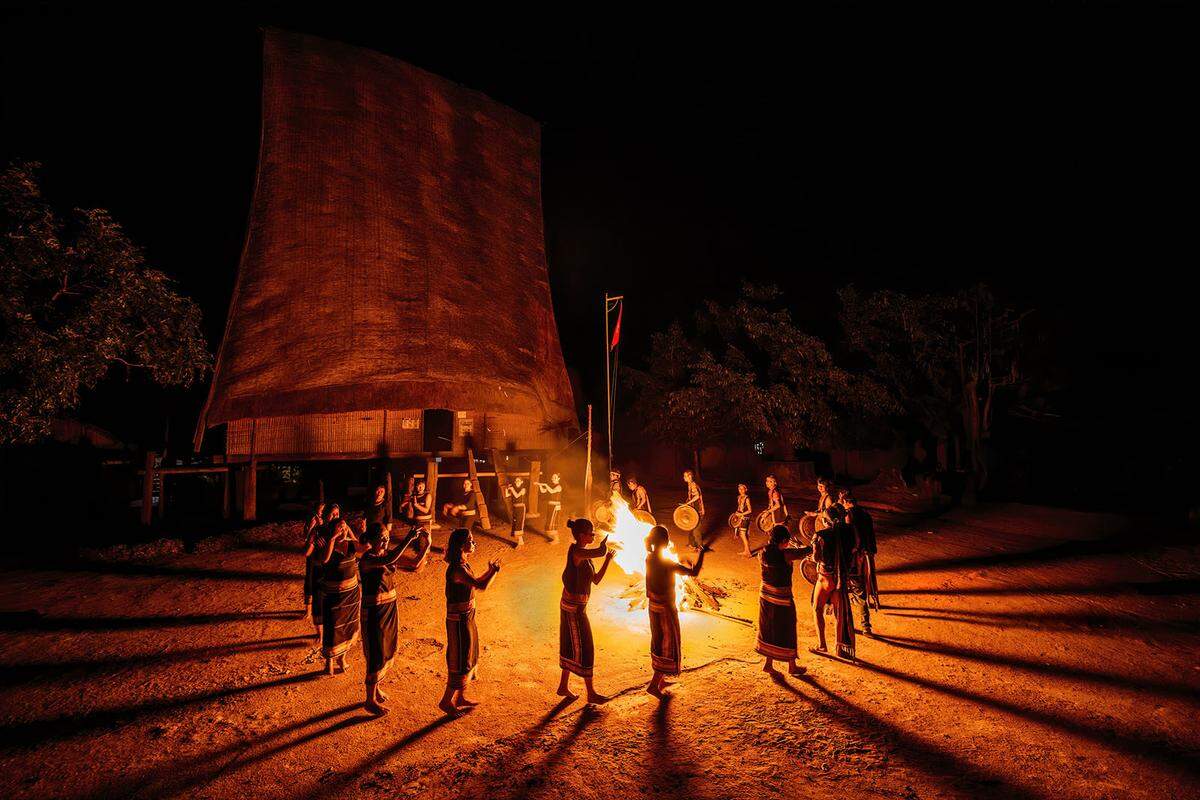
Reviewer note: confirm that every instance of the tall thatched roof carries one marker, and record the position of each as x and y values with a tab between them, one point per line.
395	254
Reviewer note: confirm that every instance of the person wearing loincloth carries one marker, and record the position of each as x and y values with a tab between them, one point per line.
665	643
826	497
695	499
775	502
741	528
462	635
554	490
832	546
422	507
640	498
515	492
576	651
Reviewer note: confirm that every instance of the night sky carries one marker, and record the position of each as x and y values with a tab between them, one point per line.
1044	154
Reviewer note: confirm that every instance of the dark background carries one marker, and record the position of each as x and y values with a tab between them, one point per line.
1048	154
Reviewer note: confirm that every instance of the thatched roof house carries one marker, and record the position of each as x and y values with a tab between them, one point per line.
394	262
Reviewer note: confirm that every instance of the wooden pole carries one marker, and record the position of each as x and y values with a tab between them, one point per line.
162	495
431	479
587	470
148	489
535	475
484	519
388	490
250	485
227	493
502	482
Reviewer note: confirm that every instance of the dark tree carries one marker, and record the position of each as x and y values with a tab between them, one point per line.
746	374
947	358
77	300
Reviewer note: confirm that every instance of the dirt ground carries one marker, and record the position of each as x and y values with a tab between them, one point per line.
1022	652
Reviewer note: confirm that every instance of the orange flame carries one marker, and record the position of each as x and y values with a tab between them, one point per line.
628	536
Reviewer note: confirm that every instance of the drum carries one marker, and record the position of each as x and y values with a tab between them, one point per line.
602	513
808	529
686	518
808	568
644	516
766	521
737	520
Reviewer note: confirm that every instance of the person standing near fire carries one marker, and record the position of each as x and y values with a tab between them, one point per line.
462	634
832	545
776	606
665	642
576	650
695	499
639	496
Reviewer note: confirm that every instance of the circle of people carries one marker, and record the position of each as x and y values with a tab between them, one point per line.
351	562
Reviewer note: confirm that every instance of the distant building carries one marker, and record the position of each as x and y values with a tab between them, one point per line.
394	263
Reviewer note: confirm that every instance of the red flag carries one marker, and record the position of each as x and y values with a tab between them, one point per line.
616	337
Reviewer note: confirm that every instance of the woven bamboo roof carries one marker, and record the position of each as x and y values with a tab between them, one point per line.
395	255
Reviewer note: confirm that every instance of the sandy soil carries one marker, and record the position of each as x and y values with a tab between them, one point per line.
1022	652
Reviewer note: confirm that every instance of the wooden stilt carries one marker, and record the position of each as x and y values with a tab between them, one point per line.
535	475
227	492
250	492
162	495
148	489
431	479
484	519
387	483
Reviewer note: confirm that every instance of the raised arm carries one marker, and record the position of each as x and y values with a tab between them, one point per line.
327	550
694	569
581	554
796	553
412	563
599	575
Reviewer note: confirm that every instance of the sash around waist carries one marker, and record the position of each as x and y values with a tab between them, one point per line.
659	603
459	608
379	599
578	599
334	587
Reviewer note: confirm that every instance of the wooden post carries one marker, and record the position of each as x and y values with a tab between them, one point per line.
148	489
388	490
587	470
250	485
484	519
502	482
162	495
227	492
535	475
431	478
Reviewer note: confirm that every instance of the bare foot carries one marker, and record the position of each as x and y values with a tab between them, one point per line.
656	691
819	650
375	710
449	708
796	672
665	684
597	699
329	669
768	666
465	703
565	692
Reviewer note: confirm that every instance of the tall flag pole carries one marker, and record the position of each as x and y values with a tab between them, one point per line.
612	341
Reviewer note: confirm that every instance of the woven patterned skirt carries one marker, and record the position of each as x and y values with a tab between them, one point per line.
462	644
576	652
379	633
340	618
776	622
664	635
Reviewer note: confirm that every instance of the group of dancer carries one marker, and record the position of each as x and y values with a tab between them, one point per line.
350	592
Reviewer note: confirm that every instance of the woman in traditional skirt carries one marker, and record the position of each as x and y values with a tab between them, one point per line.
576	652
462	637
422	506
664	615
320	539
341	596
310	531
776	607
376	571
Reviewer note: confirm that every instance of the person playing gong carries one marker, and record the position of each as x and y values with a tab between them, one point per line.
775	502
741	518
554	491
639	495
576	651
826	497
695	499
832	546
515	492
422	507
